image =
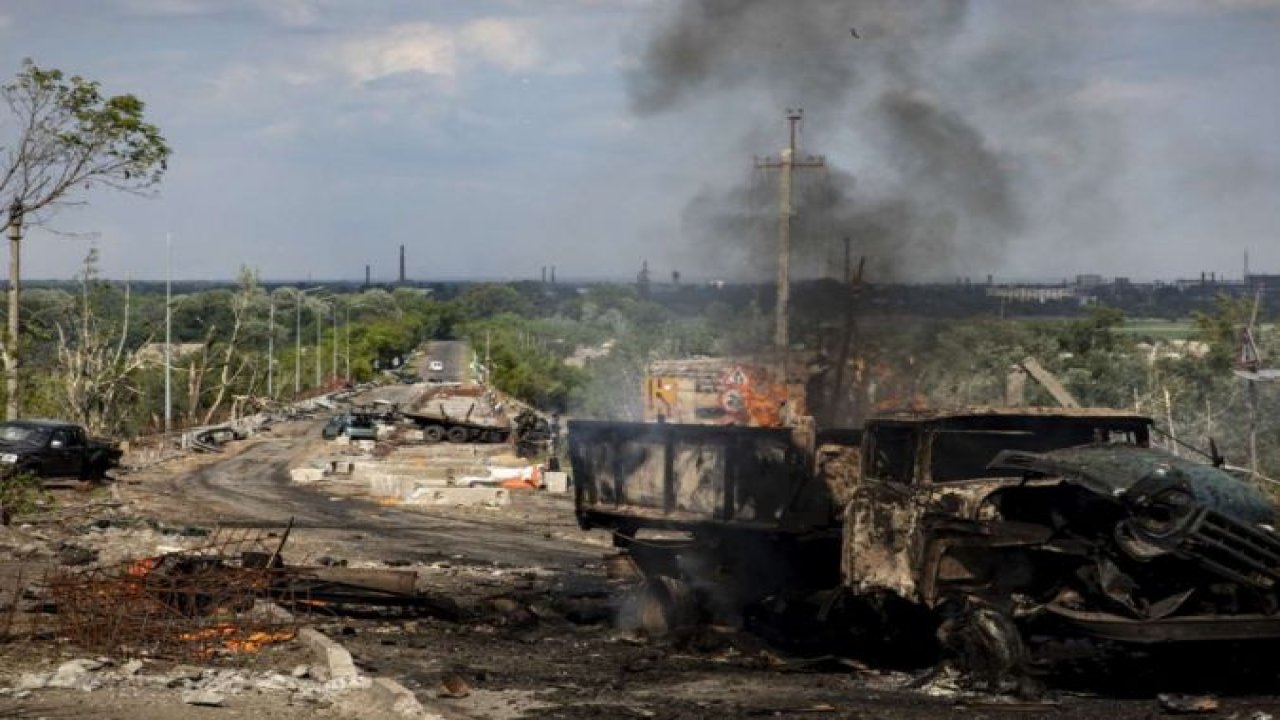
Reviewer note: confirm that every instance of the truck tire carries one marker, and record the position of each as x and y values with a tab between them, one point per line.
433	433
457	434
658	606
986	645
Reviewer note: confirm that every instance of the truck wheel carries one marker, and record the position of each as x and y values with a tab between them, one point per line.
457	434
987	646
433	433
658	606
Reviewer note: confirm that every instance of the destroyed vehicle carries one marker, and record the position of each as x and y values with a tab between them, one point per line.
53	448
357	426
980	525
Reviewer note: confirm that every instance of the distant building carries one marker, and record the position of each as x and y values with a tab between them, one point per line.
1089	281
1032	293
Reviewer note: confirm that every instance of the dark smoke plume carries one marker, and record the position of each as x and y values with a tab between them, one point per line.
935	196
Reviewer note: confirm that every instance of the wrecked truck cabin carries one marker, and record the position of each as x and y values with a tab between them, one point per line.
1063	520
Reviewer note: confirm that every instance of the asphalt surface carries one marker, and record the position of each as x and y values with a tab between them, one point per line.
252	489
455	355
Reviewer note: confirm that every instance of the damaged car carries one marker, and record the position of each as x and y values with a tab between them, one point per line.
971	529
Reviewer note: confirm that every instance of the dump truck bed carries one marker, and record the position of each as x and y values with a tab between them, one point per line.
675	476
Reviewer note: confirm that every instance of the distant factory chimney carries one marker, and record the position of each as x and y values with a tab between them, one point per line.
553	274
402	264
544	274
367	276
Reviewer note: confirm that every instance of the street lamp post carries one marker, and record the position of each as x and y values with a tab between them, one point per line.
297	340
271	346
297	349
319	356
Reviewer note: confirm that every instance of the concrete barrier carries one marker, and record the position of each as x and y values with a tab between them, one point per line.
490	497
306	476
398	486
555	482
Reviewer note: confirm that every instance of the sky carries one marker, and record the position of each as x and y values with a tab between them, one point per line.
1021	138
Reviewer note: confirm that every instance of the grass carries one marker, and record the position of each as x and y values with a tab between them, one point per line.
1158	329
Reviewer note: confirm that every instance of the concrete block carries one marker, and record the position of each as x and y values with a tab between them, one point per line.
332	655
341	467
468	496
341	440
555	482
365	445
304	476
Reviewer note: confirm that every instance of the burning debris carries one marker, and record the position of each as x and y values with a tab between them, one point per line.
228	597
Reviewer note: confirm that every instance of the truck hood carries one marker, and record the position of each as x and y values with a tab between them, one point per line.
20	446
1134	475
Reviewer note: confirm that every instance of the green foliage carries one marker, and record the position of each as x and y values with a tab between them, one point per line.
70	137
23	494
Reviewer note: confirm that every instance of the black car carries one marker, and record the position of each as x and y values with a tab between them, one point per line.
54	448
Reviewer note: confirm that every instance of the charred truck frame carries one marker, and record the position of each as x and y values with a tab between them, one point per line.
976	525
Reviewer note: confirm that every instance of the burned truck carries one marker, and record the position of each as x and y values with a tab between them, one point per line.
967	530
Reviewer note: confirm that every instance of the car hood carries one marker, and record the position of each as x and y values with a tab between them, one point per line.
1128	473
19	446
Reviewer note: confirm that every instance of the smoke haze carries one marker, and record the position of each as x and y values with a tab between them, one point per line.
943	145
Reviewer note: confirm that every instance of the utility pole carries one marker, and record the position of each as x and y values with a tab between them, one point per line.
11	353
335	337
168	333
848	266
271	346
348	327
297	350
319	357
786	165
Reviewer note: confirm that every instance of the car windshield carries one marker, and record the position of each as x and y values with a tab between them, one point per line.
19	433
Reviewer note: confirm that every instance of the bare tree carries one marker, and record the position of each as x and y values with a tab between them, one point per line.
61	137
235	363
96	367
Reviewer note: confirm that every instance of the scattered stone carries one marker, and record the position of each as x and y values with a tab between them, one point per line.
1187	704
203	698
132	667
327	561
301	671
454	686
74	674
74	555
184	674
33	681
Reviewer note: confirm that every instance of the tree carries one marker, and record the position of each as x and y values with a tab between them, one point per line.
63	136
97	371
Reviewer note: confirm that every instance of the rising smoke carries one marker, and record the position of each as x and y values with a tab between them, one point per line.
917	99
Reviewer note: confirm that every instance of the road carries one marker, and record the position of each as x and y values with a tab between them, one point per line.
454	354
252	489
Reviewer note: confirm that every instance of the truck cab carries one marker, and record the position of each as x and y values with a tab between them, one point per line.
53	448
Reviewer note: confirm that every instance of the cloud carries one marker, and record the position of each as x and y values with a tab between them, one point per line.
6	22
1169	7
430	49
169	8
411	48
506	44
1121	94
289	13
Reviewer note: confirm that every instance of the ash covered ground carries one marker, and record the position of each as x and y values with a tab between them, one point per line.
519	623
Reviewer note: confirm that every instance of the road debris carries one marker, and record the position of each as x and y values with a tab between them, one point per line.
1187	704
